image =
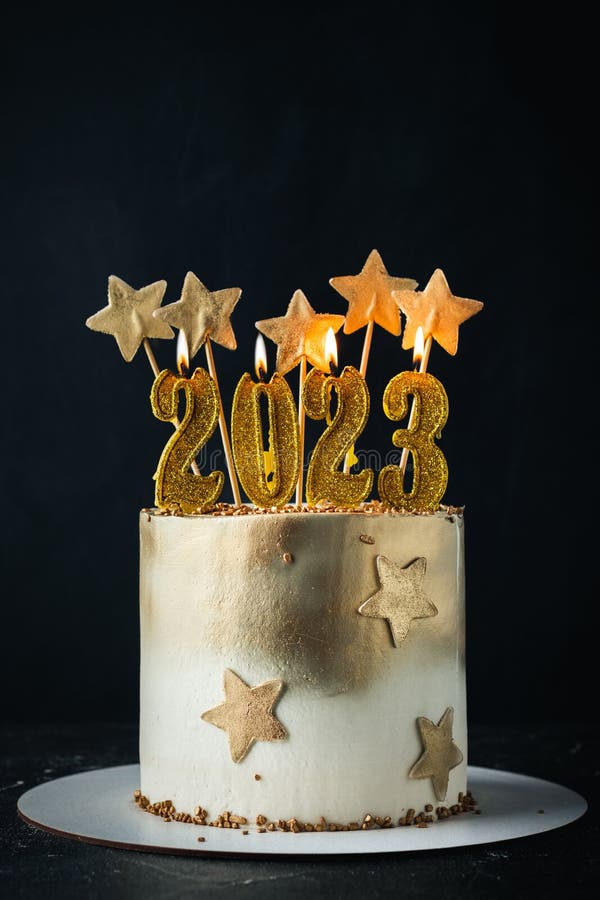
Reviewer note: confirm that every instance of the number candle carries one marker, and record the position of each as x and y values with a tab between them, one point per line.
324	480
428	415
275	487
174	482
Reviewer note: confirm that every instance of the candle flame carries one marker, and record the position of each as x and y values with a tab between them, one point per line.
260	356
331	348
419	347
183	353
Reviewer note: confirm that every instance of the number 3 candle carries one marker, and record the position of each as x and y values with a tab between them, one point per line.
275	487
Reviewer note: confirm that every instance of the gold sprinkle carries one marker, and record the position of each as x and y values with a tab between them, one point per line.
288	558
366	539
257	777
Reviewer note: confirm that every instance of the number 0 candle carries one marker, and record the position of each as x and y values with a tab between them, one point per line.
275	487
174	482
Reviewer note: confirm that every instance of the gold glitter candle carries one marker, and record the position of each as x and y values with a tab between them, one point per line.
265	488
430	413
174	482
324	480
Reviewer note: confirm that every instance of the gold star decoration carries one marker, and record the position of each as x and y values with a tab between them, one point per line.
301	332
202	314
247	714
440	753
401	597
129	315
369	295
437	311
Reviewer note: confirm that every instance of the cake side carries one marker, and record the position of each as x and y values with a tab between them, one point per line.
323	653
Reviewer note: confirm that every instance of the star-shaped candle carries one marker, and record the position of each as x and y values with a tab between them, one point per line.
440	753
247	714
267	469
203	316
300	336
400	598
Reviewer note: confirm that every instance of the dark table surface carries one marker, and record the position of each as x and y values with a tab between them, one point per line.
562	862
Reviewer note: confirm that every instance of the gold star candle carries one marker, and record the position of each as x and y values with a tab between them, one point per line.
324	480
268	471
428	415
175	484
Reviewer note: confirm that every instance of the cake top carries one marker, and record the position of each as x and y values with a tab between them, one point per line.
263	437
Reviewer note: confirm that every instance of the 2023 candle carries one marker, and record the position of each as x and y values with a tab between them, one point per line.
428	416
324	480
175	484
274	488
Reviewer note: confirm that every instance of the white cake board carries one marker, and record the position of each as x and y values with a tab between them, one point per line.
97	807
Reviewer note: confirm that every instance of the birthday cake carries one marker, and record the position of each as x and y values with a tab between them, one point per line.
302	663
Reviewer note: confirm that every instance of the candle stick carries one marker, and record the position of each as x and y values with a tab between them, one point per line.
299	336
174	483
268	477
324	481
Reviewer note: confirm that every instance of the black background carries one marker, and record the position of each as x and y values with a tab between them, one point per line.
272	150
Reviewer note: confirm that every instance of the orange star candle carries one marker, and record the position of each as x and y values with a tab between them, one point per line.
324	480
428	416
267	470
175	484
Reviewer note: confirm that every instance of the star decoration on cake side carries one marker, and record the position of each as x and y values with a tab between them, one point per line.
129	315
301	332
370	295
440	753
247	714
437	311
202	314
400	598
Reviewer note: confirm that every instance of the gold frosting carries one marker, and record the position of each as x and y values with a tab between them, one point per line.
247	714
400	598
440	753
